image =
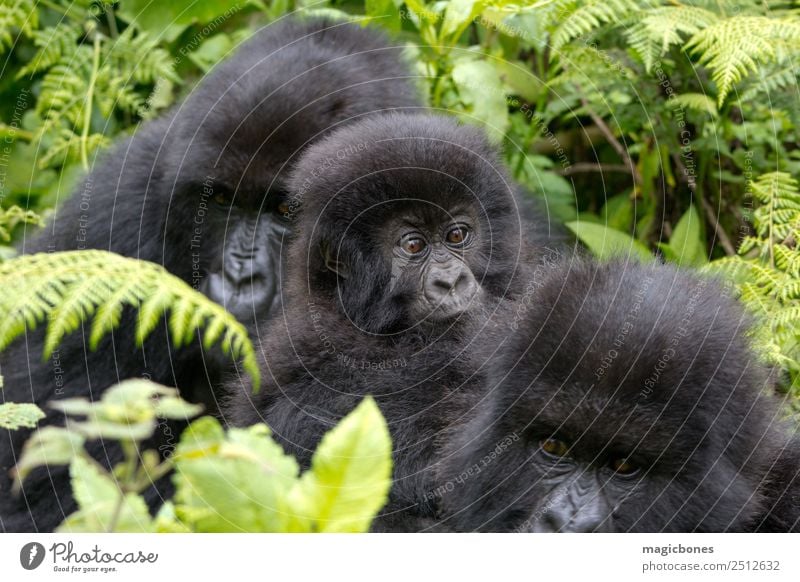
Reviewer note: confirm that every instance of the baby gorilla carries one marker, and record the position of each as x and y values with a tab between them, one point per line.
409	234
629	400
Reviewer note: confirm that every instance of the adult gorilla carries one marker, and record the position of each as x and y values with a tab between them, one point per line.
200	191
628	400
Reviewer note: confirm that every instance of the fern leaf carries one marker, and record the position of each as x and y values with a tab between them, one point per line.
696	102
81	287
11	217
732	48
660	28
592	14
55	43
16	15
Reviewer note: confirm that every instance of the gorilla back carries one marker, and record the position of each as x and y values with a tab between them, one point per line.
202	192
628	400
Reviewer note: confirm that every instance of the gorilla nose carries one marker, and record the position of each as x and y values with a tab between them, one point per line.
240	266
451	283
587	519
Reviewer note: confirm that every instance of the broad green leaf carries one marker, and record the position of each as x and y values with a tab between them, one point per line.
101	504
22	415
166	520
687	242
48	446
170	18
617	212
241	485
127	411
605	242
211	52
482	92
384	13
458	15
350	473
519	79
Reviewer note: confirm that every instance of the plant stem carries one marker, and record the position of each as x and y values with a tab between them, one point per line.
87	118
16	132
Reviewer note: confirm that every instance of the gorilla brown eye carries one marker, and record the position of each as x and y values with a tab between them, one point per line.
283	208
554	447
413	245
223	199
457	235
624	467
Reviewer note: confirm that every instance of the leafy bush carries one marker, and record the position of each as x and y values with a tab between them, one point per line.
238	480
647	126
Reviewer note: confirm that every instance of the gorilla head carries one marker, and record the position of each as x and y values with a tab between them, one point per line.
232	140
629	400
407	219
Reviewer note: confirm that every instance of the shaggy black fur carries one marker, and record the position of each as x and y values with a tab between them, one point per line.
202	192
354	332
628	400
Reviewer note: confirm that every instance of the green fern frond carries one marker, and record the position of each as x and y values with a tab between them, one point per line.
696	102
784	74
660	28
588	16
151	62
64	91
769	283
54	43
16	15
11	217
76	287
734	47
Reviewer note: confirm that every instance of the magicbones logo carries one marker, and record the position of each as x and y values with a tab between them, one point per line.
31	555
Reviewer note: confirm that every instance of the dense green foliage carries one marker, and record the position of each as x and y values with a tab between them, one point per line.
662	127
71	288
238	480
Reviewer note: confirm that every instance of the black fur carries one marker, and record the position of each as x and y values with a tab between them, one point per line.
623	361
152	195
342	337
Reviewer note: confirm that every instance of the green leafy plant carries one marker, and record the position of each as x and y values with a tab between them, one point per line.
766	272
24	415
70	288
238	480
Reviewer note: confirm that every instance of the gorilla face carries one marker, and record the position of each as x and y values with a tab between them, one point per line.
629	400
424	256
407	220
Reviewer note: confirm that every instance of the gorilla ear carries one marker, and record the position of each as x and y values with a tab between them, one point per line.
331	263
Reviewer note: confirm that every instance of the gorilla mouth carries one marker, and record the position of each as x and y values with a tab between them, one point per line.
449	308
245	299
